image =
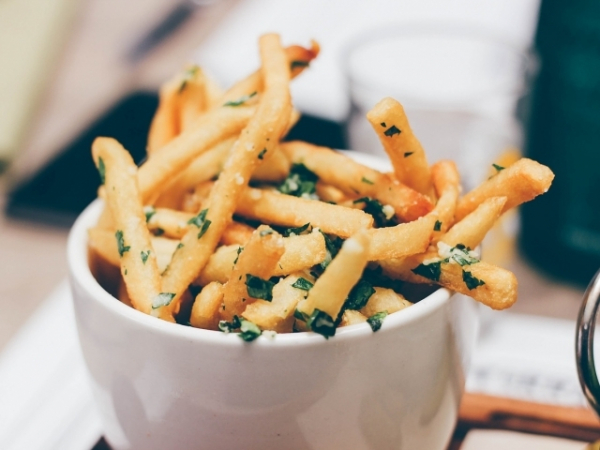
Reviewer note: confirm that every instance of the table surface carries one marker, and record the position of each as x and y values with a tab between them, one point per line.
34	256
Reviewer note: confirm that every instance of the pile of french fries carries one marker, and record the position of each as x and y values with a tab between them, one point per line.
226	227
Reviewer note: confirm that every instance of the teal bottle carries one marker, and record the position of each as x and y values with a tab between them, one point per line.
561	229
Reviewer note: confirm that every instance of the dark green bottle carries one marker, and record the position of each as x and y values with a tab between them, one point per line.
561	229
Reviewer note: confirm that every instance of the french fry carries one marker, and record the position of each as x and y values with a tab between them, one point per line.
331	289
137	260
471	230
103	242
262	132
486	283
301	253
210	129
298	59
164	126
446	181
236	233
205	311
355	179
519	183
275	208
351	317
249	278
405	151
384	299
278	314
192	97
273	169
330	194
401	240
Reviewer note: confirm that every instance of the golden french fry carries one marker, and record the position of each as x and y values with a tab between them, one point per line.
275	208
191	97
331	289
298	59
278	314
137	259
301	253
273	169
471	230
122	294
205	311
236	233
103	242
401	240
384	299
164	127
405	151
351	317
249	278
355	179
262	132
446	181
519	183
486	283
167	162
330	194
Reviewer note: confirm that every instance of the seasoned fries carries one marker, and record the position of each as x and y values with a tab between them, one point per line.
270	236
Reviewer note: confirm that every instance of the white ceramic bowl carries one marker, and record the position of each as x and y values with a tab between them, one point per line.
160	385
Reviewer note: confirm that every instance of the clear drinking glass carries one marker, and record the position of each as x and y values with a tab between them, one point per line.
459	88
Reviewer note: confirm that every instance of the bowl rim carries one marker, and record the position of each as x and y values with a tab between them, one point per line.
81	275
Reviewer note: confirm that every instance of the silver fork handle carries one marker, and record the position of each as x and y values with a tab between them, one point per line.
584	343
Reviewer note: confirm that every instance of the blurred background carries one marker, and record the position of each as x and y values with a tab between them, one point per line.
483	81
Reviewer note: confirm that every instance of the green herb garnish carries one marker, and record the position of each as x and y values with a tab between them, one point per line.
144	255
239	250
261	155
162	299
498	168
375	208
302	283
159	232
301	316
437	226
101	170
121	243
248	330
298	230
228	327
376	320
391	131
187	76
180	245
322	323
366	180
407	154
471	281
240	101
332	244
201	222
297	63
359	295
259	288
149	211
300	182
432	271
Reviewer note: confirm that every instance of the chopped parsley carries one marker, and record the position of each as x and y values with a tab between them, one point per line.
322	323
498	168
301	316
239	250
432	271
149	211
298	63
302	283
333	244
201	222
359	295
101	170
228	327
240	101
248	330
437	226
121	243
407	154
187	76
180	245
391	131
471	281
162	299
376	320
144	255
383	124
159	232
300	182
375	208
259	288
459	254
298	230
261	155
366	180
